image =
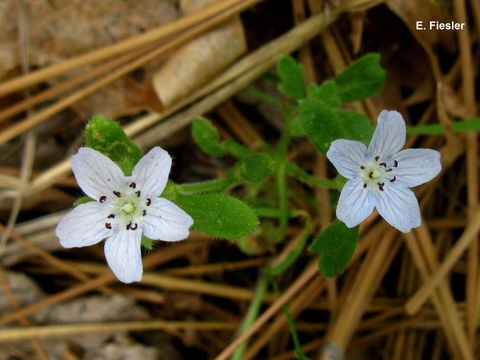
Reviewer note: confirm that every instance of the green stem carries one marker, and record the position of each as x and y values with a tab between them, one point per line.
305	177
268	212
252	314
216	185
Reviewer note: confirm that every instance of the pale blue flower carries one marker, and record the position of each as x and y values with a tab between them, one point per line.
380	175
125	208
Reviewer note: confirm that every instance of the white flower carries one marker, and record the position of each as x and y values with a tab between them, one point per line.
125	207
380	175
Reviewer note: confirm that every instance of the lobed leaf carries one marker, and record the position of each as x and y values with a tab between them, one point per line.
292	82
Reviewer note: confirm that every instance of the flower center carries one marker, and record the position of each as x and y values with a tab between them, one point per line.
127	208
374	173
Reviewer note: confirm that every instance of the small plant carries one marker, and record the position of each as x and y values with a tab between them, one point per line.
131	202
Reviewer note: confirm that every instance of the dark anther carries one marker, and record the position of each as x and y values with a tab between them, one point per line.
102	198
383	164
394	178
149	202
362	167
144	212
370	175
388	170
381	185
111	216
377	157
117	193
134	227
395	163
128	226
138	193
133	185
365	185
108	225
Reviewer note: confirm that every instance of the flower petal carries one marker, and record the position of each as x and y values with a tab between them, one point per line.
166	221
398	205
389	136
417	166
355	203
151	172
123	254
83	226
96	174
347	156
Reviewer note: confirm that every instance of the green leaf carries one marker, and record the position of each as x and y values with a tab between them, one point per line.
360	80
337	244
107	137
83	200
327	92
292	82
320	123
219	215
147	243
356	126
206	137
436	129
253	168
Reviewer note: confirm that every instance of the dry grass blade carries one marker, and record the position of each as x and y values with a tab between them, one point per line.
111	51
15	334
31	121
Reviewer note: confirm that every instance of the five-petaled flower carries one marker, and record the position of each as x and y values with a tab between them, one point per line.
125	208
380	175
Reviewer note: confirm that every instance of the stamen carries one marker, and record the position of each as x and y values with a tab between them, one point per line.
380	186
102	198
370	175
377	157
365	185
133	185
394	178
108	225
149	202
117	193
128	226
111	216
395	163
138	193
362	167
389	170
383	164
144	212
134	227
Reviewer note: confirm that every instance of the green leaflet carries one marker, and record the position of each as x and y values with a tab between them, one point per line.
356	126
108	137
337	244
327	92
206	137
320	123
363	78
